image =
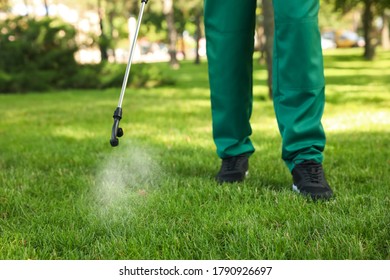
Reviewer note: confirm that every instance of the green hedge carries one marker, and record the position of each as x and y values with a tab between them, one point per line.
38	55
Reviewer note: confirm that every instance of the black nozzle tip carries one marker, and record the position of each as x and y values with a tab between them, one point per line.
119	133
114	142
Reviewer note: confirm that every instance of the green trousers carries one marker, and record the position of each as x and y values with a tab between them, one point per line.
298	78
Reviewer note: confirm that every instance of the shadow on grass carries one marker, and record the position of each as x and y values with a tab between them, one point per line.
342	98
191	76
360	159
195	164
356	79
343	57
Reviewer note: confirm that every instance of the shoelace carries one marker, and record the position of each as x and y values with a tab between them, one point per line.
230	163
313	172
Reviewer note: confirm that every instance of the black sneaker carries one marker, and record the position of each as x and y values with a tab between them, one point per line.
309	180
233	169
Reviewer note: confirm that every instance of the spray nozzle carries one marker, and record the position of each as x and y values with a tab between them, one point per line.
116	130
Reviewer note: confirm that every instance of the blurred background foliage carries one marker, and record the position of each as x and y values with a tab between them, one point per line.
43	42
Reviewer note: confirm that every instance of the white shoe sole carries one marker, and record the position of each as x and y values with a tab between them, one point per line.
295	189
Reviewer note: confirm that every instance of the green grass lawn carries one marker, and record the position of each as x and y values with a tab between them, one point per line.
65	193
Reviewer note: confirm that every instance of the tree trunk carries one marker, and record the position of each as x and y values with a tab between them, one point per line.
269	27
46	7
172	33
111	16
261	42
385	34
103	38
368	16
26	5
183	46
198	36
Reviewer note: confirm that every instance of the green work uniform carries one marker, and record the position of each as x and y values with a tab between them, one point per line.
298	78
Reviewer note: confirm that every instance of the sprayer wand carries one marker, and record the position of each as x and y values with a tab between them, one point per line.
116	130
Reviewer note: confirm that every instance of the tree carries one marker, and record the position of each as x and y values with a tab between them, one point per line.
103	40
370	9
368	17
172	33
198	34
46	7
385	33
268	13
192	13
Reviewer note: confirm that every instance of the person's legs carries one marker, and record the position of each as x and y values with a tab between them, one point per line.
298	80
299	93
229	28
